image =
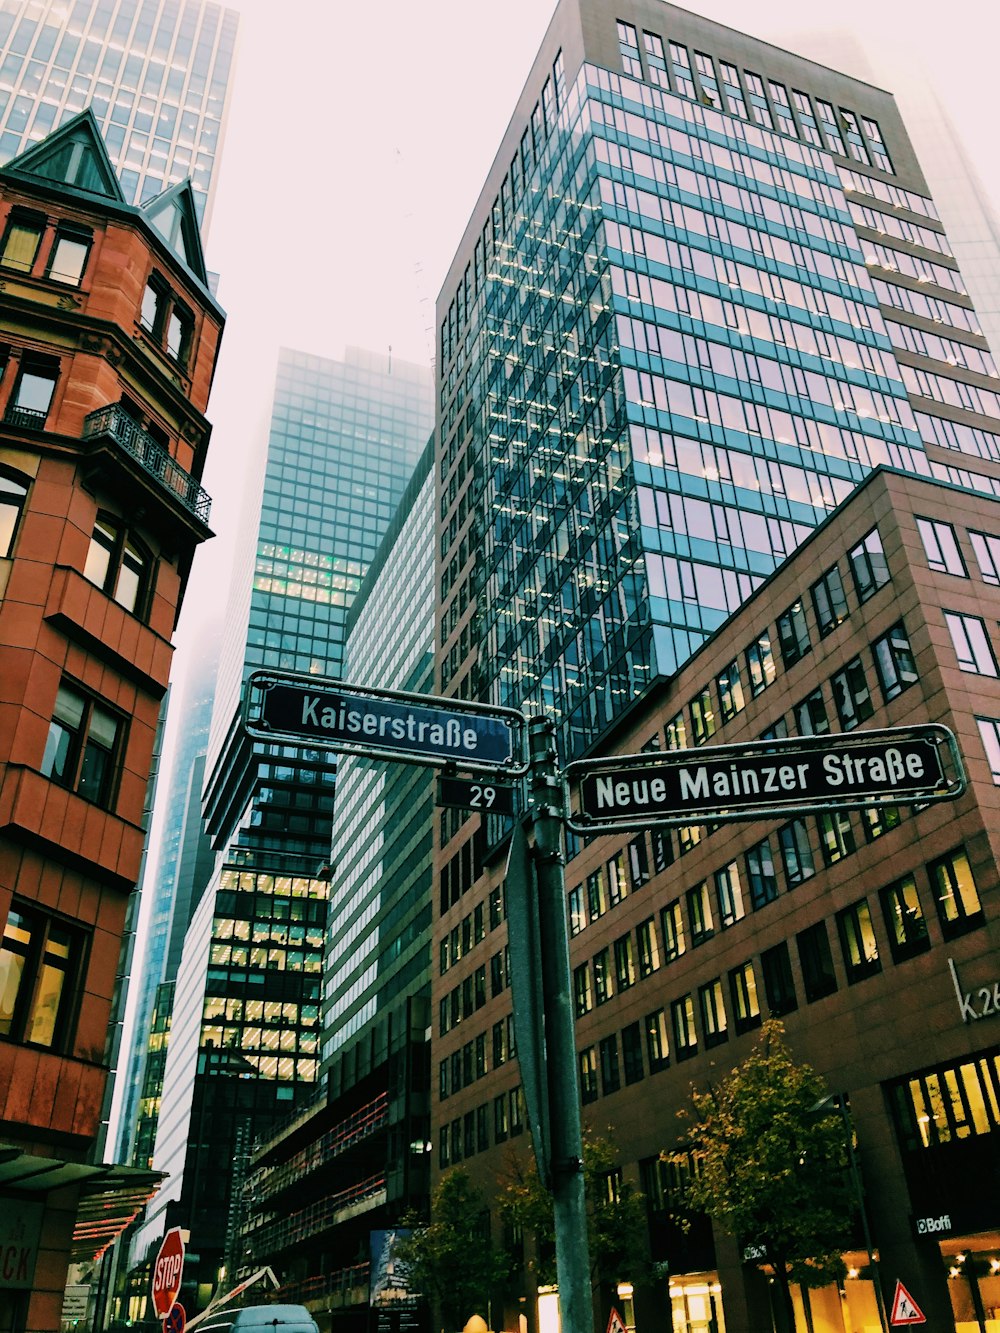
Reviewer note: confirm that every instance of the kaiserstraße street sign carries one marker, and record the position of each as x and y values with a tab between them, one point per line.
352	719
897	766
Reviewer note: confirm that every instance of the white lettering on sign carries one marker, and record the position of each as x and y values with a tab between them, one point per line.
926	1225
361	722
980	1002
893	766
166	1275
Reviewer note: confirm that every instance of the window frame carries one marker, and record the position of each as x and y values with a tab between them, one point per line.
745	999
38	367
794	640
793	843
712	1007
75	756
977	654
963	921
819	977
905	940
986	549
683	1028
655	1026
37	956
729	684
940	560
859	962
9	477
853	706
73	234
829	601
647	948
759	657
863	560
27	221
759	901
729	894
121	547
779	983
891	653
989	734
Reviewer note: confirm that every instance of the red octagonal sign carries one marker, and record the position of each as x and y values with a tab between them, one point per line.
167	1272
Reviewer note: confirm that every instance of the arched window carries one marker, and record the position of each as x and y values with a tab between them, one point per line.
119	565
13	493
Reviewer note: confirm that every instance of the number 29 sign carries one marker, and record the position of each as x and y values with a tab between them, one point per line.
493	798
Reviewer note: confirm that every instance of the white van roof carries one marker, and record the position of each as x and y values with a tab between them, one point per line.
284	1318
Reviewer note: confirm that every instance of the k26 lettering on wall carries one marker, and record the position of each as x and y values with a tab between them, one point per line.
980	1002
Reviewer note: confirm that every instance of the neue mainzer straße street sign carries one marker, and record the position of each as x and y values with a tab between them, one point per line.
352	719
896	766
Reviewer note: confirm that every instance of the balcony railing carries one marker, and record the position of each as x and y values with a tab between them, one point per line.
117	425
337	1288
330	1145
285	1232
21	417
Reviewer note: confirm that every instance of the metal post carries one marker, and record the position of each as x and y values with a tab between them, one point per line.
845	1114
569	1204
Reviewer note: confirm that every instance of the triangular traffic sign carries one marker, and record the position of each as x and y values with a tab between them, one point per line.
905	1310
616	1324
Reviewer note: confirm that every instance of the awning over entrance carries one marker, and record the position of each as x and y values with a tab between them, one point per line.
111	1195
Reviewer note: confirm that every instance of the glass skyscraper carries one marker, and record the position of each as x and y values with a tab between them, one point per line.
156	74
359	1161
344	439
703	294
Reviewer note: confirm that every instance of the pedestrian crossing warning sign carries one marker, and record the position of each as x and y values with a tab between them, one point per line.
905	1310
616	1324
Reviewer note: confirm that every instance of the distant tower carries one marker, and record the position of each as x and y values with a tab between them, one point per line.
374	1103
967	211
156	77
245	1031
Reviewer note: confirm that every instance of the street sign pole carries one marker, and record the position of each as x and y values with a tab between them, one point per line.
566	1139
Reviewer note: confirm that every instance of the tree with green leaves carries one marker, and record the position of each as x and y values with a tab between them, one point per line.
771	1165
451	1259
616	1215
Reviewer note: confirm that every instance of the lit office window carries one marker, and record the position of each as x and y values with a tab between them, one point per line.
857	941
743	992
904	919
955	894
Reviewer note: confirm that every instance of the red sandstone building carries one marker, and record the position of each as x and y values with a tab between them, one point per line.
108	339
873	934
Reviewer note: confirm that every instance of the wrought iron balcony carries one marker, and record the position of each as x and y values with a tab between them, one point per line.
112	421
21	417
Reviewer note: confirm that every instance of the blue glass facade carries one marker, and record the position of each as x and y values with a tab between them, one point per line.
344	439
667	360
156	76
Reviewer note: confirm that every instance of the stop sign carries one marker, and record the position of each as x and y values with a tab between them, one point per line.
167	1272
